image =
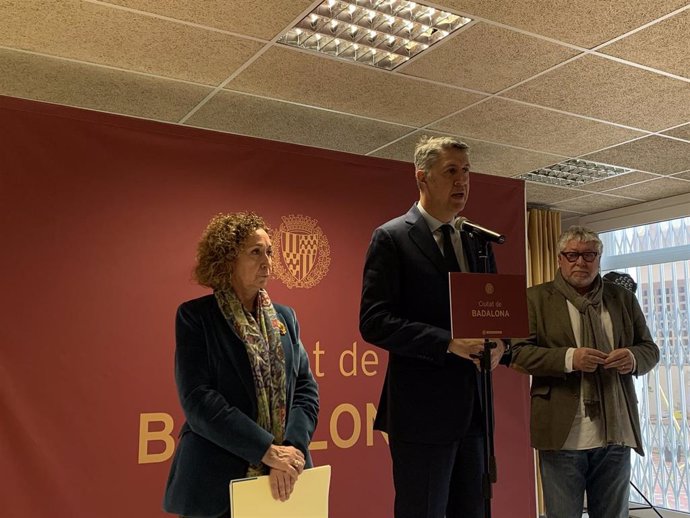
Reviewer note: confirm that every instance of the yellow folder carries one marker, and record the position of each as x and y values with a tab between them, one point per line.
251	497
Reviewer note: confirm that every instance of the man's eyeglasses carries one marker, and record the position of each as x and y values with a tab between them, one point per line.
571	257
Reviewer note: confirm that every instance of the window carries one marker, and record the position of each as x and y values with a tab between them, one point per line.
657	256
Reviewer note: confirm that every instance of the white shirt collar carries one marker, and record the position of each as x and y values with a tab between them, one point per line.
434	224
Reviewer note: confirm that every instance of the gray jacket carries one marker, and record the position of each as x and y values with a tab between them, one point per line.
555	394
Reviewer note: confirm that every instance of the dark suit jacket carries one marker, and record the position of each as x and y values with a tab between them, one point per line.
555	393
428	395
221	437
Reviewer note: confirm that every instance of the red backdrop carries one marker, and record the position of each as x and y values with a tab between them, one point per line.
99	220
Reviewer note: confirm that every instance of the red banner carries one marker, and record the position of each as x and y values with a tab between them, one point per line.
99	220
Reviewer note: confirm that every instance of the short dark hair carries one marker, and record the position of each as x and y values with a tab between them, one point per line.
428	150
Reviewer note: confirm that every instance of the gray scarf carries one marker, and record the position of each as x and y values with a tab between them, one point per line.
602	390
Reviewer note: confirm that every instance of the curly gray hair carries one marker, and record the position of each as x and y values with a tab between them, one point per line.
578	233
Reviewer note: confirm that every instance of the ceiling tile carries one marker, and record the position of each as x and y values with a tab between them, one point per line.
249	17
517	124
87	86
607	90
104	35
594	203
203	46
286	122
569	218
485	157
500	160
651	154
582	22
462	60
618	181
541	194
663	46
297	76
680	132
655	189
403	149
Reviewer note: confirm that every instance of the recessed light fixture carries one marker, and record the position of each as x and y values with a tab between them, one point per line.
573	173
380	33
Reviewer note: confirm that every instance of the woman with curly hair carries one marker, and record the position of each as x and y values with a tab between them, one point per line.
250	400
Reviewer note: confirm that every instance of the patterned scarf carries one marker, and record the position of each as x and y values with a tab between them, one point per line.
261	337
602	390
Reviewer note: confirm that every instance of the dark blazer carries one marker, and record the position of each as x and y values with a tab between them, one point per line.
428	394
221	437
555	394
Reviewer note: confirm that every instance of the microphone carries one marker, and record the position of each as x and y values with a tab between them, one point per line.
464	224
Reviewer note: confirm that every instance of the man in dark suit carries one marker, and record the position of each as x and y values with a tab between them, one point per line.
430	404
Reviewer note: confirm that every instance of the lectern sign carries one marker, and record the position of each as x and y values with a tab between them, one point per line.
488	305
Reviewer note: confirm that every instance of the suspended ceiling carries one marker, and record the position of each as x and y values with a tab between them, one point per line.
527	84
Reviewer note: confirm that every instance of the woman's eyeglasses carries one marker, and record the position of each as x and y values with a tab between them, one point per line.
571	257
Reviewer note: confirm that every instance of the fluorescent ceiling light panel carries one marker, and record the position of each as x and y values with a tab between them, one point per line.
380	33
573	173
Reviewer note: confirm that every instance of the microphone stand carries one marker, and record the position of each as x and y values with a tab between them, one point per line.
489	475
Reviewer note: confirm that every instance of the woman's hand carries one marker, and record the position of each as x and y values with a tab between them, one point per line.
284	458
282	484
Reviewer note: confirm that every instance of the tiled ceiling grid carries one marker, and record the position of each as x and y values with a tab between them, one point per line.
527	83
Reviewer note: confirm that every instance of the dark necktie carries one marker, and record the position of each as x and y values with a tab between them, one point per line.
448	250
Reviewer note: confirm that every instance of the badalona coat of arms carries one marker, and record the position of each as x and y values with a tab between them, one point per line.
301	255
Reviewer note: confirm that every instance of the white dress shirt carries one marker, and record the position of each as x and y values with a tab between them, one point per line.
435	227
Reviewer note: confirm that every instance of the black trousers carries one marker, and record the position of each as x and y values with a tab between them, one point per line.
439	480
